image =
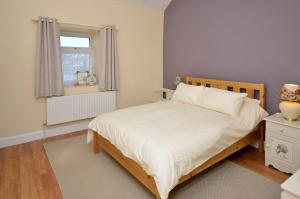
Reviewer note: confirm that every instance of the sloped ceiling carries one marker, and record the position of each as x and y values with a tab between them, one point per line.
160	4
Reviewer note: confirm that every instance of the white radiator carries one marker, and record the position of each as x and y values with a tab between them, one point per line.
77	107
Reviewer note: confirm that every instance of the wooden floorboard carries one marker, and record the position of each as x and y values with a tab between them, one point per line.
250	158
25	171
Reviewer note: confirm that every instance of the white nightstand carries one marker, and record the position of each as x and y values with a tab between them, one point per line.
168	93
162	95
282	146
291	187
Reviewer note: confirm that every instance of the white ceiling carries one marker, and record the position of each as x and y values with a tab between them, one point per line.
160	4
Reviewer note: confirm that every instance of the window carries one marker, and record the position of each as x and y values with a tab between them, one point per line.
74	42
77	55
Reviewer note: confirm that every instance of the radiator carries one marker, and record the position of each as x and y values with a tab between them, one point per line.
77	107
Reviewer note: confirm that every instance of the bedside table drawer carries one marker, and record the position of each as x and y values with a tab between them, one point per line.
282	145
283	151
283	130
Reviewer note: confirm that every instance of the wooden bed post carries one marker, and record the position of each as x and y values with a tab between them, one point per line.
261	137
96	147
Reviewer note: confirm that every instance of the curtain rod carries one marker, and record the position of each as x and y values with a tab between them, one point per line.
90	27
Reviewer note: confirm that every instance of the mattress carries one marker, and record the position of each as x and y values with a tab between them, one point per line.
169	139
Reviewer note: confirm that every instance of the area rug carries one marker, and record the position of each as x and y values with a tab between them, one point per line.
84	175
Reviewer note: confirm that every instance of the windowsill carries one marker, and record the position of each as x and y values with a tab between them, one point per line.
80	89
78	85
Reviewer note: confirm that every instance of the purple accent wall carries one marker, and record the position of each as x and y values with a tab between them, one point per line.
241	40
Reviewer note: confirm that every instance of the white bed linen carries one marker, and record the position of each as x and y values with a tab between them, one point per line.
170	139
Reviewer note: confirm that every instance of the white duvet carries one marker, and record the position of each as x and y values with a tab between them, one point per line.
170	139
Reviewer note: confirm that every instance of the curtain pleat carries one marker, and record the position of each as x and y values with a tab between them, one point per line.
49	76
108	72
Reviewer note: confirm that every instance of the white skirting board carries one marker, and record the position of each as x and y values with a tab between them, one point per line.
47	132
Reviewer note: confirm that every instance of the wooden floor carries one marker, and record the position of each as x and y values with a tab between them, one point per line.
251	159
25	171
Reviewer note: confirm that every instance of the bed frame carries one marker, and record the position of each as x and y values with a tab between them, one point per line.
254	90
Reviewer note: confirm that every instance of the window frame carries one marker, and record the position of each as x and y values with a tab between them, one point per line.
74	50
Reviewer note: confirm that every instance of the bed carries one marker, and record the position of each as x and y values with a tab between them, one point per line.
162	144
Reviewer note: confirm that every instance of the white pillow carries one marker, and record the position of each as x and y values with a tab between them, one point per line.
189	94
223	101
251	113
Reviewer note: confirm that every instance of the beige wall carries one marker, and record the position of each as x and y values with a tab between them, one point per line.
140	53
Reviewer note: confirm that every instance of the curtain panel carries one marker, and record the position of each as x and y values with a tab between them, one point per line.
108	72
49	76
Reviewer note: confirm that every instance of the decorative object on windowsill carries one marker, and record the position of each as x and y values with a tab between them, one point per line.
290	105
177	80
91	79
82	77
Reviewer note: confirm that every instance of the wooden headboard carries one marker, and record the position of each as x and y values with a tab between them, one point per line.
254	90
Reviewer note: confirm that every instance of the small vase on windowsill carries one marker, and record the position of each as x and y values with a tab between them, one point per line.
290	106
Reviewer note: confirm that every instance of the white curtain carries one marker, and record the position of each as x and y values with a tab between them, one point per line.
49	76
108	72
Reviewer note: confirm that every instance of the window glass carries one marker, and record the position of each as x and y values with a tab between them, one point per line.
74	42
76	54
73	62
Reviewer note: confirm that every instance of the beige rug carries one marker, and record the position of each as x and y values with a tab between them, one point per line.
83	175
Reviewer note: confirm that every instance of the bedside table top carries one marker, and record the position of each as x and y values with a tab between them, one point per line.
168	90
292	184
277	118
